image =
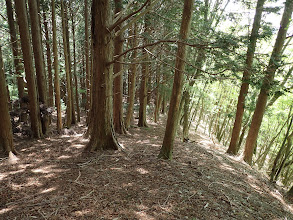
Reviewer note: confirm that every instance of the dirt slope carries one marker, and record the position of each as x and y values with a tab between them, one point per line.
54	179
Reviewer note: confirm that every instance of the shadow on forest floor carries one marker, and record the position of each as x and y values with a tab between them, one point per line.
54	179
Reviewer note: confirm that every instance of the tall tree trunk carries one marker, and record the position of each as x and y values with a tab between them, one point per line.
49	62
6	138
21	11
74	69
118	80
245	79
267	81
67	69
132	83
66	6
144	78
56	70
39	61
83	81
16	56
101	124
173	114
87	57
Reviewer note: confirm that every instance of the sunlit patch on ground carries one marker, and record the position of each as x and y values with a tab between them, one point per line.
55	179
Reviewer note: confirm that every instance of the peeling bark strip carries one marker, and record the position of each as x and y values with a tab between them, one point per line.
101	124
173	114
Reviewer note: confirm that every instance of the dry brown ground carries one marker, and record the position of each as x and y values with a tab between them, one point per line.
54	179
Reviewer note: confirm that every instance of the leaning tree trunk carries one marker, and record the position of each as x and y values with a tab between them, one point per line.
6	138
118	80
101	123
267	81
56	70
39	61
21	11
173	114
233	149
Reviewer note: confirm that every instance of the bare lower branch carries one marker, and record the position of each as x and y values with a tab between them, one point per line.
128	16
155	43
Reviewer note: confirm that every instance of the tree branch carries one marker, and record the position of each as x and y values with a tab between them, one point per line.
155	43
128	16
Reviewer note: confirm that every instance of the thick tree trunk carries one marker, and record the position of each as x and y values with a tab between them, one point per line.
56	70
6	138
39	61
132	82
245	79
266	85
173	114
16	55
118	80
21	11
101	124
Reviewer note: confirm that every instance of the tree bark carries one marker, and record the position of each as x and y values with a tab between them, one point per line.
66	6
173	114
87	58
6	138
118	81
21	11
56	70
39	61
144	78
74	69
67	69
245	79
266	85
49	62
102	135
132	83
16	55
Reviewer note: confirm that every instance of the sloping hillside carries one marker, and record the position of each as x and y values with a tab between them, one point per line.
54	179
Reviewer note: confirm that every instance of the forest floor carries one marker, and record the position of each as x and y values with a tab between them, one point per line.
53	178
